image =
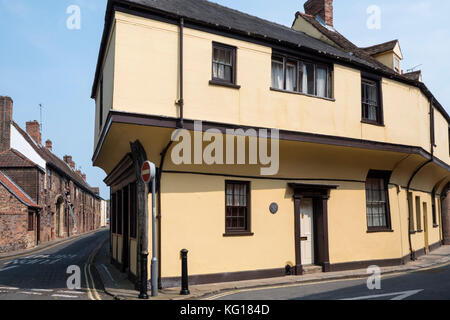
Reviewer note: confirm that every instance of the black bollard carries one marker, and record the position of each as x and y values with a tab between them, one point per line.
184	274
144	276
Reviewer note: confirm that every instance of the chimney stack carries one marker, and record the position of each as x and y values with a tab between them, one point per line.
96	191
83	175
6	106
34	130
79	172
49	145
320	8
67	159
72	165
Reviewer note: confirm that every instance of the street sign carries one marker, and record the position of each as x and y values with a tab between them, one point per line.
148	171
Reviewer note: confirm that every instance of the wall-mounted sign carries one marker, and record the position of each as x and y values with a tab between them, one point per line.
273	208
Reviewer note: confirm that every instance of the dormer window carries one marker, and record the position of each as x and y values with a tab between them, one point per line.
397	65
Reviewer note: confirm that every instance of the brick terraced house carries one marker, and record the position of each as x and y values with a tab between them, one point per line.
18	216
364	156
43	198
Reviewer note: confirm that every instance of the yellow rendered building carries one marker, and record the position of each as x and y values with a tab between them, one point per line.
363	149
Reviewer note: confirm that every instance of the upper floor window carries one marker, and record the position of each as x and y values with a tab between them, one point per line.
372	108
49	179
100	117
377	201
224	64
397	65
295	75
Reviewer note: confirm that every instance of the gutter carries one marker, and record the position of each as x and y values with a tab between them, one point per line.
180	102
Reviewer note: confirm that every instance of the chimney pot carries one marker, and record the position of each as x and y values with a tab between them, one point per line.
67	159
34	130
6	107
321	8
49	145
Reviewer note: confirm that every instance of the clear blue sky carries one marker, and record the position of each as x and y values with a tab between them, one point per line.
41	61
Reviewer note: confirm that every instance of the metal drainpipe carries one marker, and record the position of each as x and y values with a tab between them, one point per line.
158	184
180	102
180	125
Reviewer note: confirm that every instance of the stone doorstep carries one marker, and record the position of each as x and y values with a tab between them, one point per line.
205	290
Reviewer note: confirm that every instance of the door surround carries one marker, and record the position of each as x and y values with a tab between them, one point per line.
320	195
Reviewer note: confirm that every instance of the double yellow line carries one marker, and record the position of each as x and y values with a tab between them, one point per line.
92	291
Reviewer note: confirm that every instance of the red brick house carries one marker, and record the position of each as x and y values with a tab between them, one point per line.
19	223
69	204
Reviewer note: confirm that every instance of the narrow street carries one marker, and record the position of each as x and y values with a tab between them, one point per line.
44	275
426	284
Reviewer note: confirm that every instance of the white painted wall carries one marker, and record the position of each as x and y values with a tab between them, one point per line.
19	143
103	213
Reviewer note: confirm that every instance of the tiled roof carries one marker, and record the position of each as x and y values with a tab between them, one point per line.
344	43
15	190
380	48
14	159
55	162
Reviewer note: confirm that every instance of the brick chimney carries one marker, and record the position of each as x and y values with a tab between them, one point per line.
79	172
34	130
49	145
67	159
320	8
83	175
96	191
6	107
72	165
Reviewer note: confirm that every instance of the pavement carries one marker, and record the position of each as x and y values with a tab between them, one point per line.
119	287
61	270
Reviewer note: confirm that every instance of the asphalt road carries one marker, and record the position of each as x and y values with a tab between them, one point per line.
44	275
426	284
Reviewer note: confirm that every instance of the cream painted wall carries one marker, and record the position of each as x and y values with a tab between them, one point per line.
146	81
348	236
302	25
194	219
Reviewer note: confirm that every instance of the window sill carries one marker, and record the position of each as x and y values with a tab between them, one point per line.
374	123
380	231
435	226
224	84
412	232
419	231
238	234
303	94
